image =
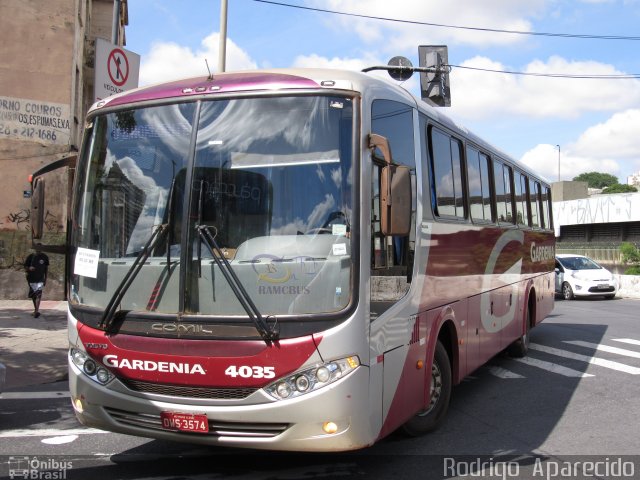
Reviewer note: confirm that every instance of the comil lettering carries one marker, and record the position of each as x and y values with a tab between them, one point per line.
151	366
542	253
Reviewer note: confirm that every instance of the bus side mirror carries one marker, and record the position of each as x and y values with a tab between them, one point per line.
37	208
395	200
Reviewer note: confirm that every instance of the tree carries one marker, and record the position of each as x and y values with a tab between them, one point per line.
597	179
630	255
620	188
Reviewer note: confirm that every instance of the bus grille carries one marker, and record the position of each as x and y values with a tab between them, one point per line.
217	429
190	392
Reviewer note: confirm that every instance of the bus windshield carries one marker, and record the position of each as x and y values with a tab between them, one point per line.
271	179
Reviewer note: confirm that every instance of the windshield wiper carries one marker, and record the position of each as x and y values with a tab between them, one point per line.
112	313
268	333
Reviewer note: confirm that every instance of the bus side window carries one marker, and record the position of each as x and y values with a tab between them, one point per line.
392	256
533	203
546	209
522	216
479	191
446	172
502	179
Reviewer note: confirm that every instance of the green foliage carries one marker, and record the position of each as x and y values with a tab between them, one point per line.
597	179
630	253
620	188
635	270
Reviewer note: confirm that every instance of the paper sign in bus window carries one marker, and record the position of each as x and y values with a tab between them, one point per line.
86	264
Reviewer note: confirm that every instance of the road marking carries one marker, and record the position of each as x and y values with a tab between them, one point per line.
605	348
59	440
48	432
503	372
630	341
621	367
32	395
552	367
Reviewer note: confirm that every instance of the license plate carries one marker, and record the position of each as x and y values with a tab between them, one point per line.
602	286
184	422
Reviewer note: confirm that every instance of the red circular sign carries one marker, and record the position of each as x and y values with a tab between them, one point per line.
118	67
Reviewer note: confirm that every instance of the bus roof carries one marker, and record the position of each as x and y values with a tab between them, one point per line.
290	79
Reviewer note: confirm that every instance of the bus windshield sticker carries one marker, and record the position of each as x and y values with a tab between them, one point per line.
339	229
339	249
86	263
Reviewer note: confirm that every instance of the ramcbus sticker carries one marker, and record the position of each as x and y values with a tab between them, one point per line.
151	366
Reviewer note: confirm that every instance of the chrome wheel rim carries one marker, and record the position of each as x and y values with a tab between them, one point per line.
436	389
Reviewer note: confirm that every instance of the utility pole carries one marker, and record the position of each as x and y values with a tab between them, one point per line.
222	49
558	162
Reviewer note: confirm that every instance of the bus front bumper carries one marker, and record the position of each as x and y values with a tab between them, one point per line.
297	424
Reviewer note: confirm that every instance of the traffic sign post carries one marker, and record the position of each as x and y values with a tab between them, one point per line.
116	69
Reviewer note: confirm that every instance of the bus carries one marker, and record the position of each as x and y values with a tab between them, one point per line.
294	259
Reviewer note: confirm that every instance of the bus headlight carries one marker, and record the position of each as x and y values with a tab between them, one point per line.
312	378
90	367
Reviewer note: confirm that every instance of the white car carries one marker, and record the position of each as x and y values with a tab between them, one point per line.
579	276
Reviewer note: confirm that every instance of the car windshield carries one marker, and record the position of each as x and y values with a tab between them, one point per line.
270	178
578	263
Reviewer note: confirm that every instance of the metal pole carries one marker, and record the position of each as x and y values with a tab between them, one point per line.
558	162
222	53
115	26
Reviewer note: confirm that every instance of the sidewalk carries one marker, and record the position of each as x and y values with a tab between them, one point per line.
33	350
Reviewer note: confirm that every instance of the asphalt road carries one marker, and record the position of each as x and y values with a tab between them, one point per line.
574	399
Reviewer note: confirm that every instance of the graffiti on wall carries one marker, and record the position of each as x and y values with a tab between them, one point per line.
13	246
597	209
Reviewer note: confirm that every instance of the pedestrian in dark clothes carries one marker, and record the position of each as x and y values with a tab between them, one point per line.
36	265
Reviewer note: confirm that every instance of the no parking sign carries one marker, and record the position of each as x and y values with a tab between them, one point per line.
116	69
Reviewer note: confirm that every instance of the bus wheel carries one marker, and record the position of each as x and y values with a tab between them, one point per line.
429	418
520	347
567	292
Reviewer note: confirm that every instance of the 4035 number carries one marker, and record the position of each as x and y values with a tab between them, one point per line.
245	371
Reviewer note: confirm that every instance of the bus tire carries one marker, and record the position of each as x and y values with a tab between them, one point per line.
520	347
429	418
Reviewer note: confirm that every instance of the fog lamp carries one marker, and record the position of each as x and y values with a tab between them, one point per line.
77	405
329	427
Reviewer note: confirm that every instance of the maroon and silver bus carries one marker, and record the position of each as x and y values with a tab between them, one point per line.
293	260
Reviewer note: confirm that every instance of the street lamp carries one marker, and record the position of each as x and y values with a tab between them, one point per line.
558	162
222	42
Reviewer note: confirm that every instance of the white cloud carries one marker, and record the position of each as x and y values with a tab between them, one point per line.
397	36
618	137
608	147
317	61
170	61
479	94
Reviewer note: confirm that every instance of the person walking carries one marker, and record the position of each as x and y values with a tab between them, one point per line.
36	266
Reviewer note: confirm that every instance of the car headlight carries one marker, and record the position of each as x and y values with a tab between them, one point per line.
312	378
92	369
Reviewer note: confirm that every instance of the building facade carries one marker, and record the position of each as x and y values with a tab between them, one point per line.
597	225
47	59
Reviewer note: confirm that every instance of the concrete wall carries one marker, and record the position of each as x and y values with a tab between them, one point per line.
629	286
564	191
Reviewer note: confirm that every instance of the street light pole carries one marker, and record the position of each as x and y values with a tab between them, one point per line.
558	162
222	45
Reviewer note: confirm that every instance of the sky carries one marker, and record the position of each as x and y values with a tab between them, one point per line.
559	127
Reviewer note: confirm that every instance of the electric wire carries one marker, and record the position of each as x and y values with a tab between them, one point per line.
458	27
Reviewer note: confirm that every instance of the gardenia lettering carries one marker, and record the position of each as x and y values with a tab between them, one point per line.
151	366
542	253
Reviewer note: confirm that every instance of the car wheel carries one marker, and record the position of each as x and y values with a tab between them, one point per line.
520	347
567	292
610	297
429	418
